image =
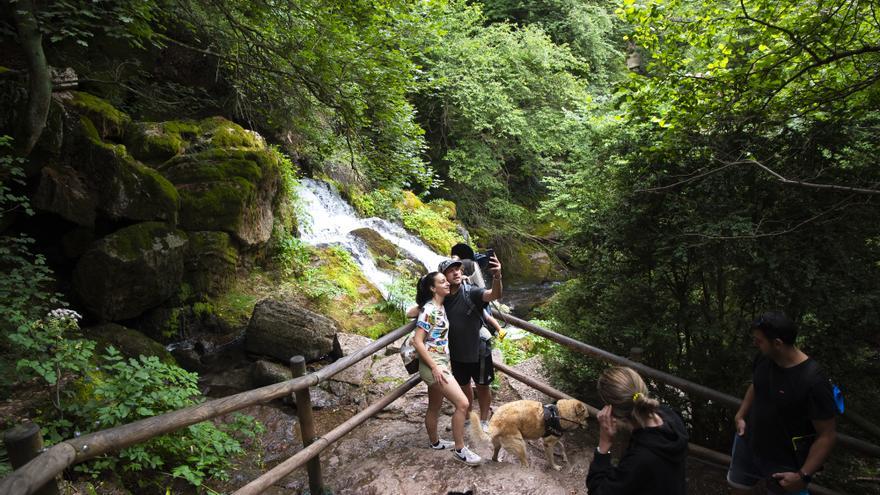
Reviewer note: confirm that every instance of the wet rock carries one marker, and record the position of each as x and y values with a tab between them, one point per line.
267	373
131	270
227	383
282	330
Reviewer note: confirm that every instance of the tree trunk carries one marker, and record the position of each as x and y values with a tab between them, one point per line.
39	79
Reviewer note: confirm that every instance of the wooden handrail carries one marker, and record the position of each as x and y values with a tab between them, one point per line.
680	383
60	456
270	477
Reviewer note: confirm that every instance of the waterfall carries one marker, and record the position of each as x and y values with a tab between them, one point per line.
329	220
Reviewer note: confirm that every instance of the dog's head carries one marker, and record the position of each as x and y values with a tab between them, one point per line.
572	414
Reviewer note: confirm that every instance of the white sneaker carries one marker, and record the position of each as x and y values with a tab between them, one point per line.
466	456
443	444
485	425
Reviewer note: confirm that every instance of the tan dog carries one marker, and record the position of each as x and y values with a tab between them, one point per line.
518	421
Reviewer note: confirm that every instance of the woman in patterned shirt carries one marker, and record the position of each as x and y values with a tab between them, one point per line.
432	345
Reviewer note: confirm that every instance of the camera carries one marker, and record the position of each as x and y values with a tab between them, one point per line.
482	259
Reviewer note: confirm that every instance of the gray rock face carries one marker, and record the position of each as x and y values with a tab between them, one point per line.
267	373
62	191
211	262
357	373
283	330
134	269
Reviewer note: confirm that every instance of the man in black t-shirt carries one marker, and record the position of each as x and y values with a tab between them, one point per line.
785	426
465	321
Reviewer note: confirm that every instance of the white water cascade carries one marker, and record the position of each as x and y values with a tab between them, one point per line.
329	220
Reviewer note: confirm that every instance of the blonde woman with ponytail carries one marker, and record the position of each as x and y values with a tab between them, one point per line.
654	461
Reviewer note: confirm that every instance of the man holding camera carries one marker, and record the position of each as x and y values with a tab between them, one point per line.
465	322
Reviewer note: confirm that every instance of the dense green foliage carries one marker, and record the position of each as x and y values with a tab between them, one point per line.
738	177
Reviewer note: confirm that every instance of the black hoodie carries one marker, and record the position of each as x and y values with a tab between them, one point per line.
653	463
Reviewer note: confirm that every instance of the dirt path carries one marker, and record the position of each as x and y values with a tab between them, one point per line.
389	454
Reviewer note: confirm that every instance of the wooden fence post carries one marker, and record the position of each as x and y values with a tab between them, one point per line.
23	443
307	425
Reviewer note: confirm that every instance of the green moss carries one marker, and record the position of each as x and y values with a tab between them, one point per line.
203	309
151	142
128	243
220	164
443	207
215	205
185	129
226	134
434	228
89	129
234	307
109	121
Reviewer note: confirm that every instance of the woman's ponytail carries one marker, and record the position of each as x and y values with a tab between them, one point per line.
624	389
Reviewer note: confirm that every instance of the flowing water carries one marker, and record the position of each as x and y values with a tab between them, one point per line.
329	220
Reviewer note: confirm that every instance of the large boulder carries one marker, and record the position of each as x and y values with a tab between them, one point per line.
134	269
211	262
109	122
527	262
126	188
226	177
282	330
387	255
158	142
62	191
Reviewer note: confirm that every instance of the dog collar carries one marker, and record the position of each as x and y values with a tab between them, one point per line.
552	428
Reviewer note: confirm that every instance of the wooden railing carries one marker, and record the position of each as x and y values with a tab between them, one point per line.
42	470
646	371
45	467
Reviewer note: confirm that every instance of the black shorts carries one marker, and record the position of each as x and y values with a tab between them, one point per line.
481	372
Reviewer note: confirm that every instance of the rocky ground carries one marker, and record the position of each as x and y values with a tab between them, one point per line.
389	454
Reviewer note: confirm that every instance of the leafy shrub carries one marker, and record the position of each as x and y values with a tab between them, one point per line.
118	391
126	390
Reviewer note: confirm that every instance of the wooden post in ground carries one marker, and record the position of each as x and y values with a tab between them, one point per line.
23	443
307	425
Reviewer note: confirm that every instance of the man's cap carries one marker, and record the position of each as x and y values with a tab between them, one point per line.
463	251
447	264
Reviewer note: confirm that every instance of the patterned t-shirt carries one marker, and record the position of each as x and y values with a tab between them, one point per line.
432	319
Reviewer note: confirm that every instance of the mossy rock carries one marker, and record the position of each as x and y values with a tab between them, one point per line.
349	295
109	122
221	133
435	229
155	142
527	262
127	341
211	262
443	207
382	249
131	270
125	187
229	190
